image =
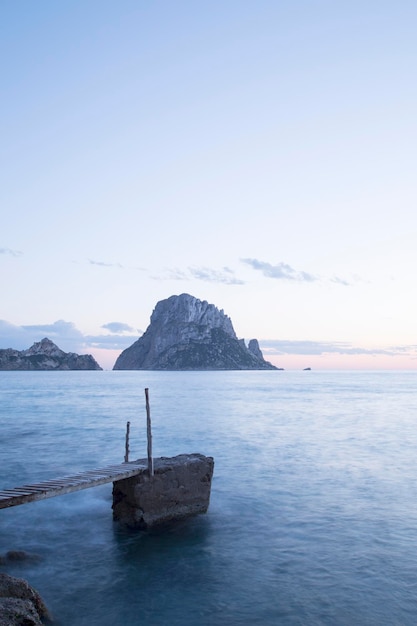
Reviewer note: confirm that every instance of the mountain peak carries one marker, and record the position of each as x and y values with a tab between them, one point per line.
186	333
45	346
45	355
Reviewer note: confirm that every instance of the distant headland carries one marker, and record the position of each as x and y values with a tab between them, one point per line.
45	355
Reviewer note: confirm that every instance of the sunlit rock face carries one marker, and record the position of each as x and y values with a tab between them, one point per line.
45	355
190	334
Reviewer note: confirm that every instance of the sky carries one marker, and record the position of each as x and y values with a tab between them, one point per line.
259	155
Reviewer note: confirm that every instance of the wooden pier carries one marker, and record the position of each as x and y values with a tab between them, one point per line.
60	486
146	492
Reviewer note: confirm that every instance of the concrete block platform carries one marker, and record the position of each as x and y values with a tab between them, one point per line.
179	488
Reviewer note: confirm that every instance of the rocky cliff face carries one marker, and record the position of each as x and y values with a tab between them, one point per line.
189	334
45	355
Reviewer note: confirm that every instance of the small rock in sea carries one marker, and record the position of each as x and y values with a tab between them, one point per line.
13	556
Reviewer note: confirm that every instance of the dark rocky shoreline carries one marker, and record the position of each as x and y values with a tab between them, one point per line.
20	604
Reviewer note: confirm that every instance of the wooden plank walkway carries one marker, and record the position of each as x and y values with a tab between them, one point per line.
60	486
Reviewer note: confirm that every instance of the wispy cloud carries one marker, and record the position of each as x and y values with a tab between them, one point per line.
225	275
67	336
281	271
60	328
10	252
282	347
340	281
64	334
119	327
103	264
110	342
404	349
173	274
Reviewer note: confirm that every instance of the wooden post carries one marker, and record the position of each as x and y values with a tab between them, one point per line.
149	433
127	443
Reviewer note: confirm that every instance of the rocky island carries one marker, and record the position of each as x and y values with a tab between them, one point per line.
190	334
45	355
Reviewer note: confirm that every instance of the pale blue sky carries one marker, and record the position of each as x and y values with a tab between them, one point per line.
258	155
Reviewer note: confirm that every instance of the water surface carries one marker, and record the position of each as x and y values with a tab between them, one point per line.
313	510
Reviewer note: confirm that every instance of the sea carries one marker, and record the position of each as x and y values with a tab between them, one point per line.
313	511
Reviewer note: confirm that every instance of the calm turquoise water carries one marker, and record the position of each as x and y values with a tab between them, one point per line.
313	514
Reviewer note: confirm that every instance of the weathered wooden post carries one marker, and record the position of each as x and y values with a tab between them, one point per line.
127	443
149	433
181	487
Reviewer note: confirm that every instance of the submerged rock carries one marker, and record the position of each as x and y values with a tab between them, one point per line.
13	556
190	334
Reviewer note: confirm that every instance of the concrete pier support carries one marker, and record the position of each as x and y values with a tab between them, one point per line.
179	488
